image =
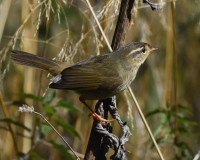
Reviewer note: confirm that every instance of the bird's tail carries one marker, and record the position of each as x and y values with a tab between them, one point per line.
27	59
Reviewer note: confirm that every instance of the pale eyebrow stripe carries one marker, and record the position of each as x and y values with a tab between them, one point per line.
133	51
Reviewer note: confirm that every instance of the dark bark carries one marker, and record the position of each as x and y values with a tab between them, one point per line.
123	22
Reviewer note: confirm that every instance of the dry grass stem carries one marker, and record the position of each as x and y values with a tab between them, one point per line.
30	109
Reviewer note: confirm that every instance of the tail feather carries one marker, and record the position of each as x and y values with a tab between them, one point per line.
27	59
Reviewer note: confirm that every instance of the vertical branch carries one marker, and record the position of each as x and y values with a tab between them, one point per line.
98	145
123	22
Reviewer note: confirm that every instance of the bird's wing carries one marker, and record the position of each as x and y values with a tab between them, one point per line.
86	76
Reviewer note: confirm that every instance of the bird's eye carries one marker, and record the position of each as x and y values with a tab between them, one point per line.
143	50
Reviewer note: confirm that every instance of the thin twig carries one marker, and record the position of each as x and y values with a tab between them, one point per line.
129	88
26	108
58	134
99	25
145	122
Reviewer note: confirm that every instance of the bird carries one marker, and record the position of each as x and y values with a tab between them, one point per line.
95	78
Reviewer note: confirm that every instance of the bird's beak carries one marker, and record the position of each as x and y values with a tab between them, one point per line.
153	49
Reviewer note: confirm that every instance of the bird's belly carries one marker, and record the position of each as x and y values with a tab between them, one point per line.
97	94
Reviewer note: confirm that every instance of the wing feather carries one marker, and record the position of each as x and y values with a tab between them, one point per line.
81	77
88	75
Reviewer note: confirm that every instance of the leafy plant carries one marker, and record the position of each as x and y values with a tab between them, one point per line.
46	130
176	121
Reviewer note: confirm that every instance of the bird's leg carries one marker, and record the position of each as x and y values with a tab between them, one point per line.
93	114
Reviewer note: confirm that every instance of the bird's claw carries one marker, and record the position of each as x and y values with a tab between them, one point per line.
99	118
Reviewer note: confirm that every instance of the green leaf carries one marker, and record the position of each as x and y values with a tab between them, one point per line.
67	127
186	122
45	129
63	150
68	105
156	111
35	156
49	97
30	96
180	109
185	109
50	110
8	120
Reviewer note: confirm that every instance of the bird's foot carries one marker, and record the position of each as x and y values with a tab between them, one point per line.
100	119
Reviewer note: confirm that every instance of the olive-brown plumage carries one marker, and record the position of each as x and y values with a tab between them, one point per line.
96	78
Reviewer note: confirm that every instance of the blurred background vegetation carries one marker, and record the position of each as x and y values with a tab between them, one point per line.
167	85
